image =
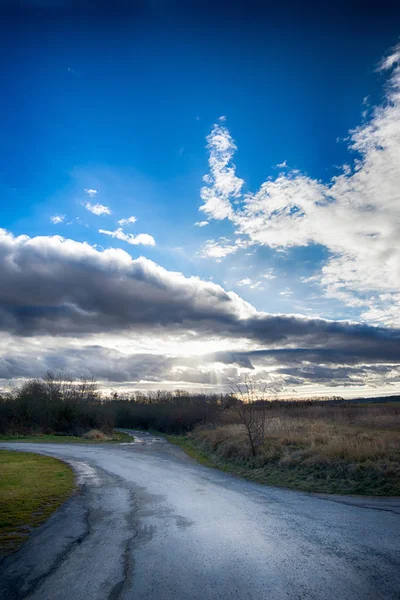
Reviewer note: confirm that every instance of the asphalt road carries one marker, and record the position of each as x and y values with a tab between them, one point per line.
150	523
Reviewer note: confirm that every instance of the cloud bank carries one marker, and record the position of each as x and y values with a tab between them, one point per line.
65	305
55	286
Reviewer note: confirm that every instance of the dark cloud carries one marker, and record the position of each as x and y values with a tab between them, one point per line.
342	351
157	370
89	361
62	287
66	289
112	366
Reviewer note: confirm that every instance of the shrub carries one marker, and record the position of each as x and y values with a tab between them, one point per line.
95	434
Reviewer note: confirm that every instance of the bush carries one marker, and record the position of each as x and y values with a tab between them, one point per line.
95	434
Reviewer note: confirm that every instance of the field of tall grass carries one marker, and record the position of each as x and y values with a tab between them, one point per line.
341	448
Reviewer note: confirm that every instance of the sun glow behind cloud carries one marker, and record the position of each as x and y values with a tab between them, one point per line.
130	320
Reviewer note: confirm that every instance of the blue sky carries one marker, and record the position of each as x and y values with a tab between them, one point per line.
121	108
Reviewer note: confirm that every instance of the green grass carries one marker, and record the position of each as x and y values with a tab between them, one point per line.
117	437
31	488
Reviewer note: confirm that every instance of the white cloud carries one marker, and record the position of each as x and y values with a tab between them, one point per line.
393	59
355	215
97	209
143	239
217	250
128	221
90	192
245	281
222	248
286	292
249	282
282	165
269	275
222	183
201	223
56	219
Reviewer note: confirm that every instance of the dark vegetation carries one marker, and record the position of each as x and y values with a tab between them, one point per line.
59	405
53	405
176	412
320	446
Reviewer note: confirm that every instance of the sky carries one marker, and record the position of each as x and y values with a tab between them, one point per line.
196	193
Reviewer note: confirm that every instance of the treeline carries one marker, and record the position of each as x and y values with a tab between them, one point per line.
169	412
53	404
58	404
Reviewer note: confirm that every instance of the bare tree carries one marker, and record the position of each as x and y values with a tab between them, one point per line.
63	387
86	389
250	409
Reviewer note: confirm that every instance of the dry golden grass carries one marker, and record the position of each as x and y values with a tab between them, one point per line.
351	449
96	434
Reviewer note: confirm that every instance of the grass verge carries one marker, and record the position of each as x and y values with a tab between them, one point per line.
117	437
342	477
31	488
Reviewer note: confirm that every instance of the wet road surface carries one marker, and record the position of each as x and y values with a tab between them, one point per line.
148	522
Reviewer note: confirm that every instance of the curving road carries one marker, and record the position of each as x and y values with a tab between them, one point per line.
150	523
